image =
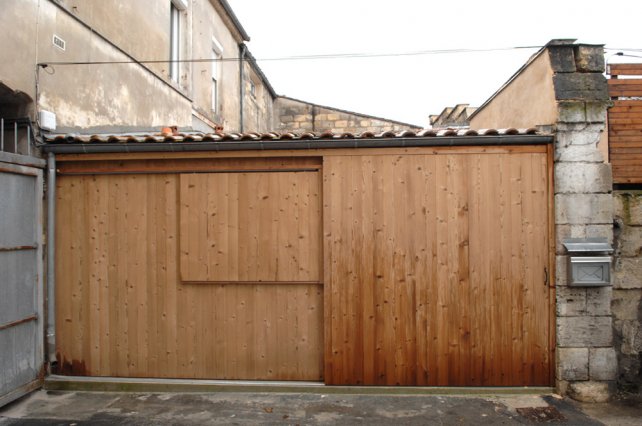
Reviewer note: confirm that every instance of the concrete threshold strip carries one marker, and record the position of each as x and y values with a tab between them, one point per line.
119	384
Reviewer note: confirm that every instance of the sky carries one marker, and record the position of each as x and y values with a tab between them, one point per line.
408	84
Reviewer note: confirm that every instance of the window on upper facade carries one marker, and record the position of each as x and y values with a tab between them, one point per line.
217	55
174	42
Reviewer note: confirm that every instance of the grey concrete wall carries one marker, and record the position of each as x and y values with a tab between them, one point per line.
292	115
627	288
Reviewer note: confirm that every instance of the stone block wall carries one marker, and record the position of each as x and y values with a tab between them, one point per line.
292	115
627	288
586	364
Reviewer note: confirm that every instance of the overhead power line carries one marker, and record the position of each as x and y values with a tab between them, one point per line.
300	57
623	49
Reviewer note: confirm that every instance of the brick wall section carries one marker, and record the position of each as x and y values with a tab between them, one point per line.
586	364
627	288
292	115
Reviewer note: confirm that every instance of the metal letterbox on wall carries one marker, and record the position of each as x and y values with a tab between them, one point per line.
588	263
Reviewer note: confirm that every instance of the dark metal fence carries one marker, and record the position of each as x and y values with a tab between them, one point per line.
16	136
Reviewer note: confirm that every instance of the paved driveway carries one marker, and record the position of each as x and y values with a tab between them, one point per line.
102	408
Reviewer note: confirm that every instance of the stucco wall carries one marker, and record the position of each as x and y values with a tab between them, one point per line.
18	27
100	96
127	23
526	101
87	98
292	115
128	97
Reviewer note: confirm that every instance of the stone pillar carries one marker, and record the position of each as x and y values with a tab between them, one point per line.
586	364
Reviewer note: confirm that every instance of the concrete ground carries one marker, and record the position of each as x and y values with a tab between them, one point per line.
74	408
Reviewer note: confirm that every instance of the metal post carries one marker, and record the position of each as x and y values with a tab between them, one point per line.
15	137
51	257
241	88
29	140
2	134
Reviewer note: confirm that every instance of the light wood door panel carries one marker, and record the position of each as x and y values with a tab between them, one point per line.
250	227
123	311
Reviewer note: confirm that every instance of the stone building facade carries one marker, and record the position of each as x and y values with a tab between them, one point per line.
132	66
293	115
178	62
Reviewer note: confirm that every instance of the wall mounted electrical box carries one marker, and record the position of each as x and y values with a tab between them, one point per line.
589	263
47	120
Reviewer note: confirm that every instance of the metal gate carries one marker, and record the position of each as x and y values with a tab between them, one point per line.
21	275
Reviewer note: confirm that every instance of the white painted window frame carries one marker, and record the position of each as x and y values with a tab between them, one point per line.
174	40
180	4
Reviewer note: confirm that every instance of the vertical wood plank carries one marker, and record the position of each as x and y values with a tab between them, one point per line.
442	282
102	272
367	274
477	167
329	262
64	310
172	197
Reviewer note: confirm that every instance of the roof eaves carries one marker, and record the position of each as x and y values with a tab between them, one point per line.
235	21
76	144
259	71
62	144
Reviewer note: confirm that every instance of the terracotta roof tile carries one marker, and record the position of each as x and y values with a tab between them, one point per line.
427	133
272	136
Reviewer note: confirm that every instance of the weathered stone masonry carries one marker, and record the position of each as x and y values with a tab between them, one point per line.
627	287
292	115
586	359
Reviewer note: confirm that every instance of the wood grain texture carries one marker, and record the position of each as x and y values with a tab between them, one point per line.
122	310
189	165
251	227
625	69
62	160
456	294
625	136
390	267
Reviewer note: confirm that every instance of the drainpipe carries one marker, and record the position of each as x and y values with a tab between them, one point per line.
51	266
242	48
